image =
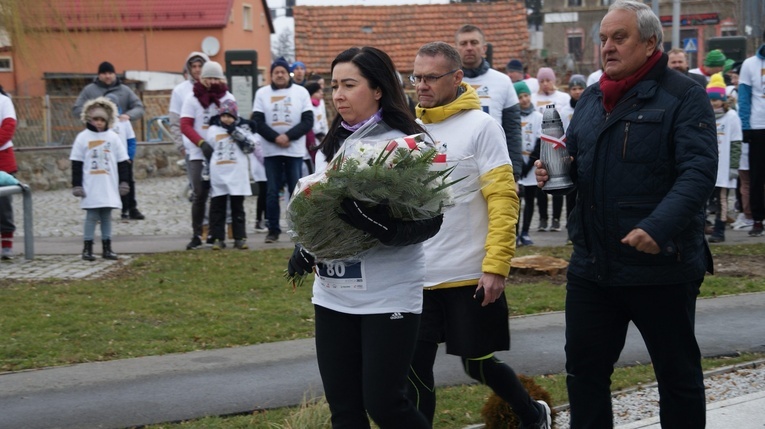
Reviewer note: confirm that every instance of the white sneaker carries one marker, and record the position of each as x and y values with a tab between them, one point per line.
6	253
744	224
545	417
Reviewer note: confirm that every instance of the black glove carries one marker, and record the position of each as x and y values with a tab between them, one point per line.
301	262
374	220
207	150
377	222
240	138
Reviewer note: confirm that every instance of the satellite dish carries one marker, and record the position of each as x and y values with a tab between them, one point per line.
210	46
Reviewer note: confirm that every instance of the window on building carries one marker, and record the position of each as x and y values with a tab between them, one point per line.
576	45
6	64
247	17
606	2
574	3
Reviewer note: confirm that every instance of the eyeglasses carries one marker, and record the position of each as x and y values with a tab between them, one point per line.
429	79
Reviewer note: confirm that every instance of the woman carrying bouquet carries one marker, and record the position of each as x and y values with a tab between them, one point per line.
368	309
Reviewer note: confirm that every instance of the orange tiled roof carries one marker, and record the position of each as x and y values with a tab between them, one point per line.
131	14
322	32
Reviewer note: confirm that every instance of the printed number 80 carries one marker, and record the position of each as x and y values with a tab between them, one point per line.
335	269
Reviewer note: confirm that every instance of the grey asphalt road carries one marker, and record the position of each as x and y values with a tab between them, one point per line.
147	390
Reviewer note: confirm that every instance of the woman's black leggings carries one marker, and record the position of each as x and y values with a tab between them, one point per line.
364	362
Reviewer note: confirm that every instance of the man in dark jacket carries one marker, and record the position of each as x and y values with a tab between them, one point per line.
107	83
644	150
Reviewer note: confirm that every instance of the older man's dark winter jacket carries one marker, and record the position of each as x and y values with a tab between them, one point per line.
651	164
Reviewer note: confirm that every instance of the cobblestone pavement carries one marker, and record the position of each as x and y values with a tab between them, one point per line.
163	201
57	214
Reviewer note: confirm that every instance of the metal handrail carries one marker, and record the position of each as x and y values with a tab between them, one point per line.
29	238
162	123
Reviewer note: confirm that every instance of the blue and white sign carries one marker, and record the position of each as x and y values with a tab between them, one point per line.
691	45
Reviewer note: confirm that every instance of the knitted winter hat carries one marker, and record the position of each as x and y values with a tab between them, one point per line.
521	88
212	69
280	62
297	64
106	67
514	65
716	87
728	65
546	73
715	58
736	67
229	107
577	80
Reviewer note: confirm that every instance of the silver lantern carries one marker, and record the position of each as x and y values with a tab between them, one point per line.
554	154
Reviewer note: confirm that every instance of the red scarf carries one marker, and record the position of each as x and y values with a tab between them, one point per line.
614	90
208	96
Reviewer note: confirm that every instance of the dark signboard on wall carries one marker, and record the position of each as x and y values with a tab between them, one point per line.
692	19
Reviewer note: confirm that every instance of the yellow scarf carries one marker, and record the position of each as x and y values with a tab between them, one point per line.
468	100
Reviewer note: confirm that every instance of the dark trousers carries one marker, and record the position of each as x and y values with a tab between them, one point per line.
530	193
557	203
277	167
201	190
6	214
260	204
597	318
218	217
757	174
364	361
128	201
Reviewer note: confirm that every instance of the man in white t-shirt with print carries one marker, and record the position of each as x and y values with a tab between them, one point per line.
284	115
494	88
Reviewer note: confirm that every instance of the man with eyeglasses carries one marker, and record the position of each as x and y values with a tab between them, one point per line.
468	260
495	89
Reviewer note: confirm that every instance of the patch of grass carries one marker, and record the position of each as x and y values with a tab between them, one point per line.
164	303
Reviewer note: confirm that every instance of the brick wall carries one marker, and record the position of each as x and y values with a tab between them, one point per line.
49	168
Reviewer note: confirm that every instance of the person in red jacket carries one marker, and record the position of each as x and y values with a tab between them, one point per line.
8	165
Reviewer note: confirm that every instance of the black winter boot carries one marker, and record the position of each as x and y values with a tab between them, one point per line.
87	251
107	250
718	233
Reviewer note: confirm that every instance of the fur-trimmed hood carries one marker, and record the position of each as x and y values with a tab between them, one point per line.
103	103
191	56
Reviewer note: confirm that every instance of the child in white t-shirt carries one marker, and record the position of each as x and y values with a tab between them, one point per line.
232	140
531	130
729	136
99	172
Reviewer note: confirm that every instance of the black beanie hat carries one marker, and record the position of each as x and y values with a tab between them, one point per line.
280	62
106	67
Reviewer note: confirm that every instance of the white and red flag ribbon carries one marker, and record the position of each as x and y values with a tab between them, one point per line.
555	141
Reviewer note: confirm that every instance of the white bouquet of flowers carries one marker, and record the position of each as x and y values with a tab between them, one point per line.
406	174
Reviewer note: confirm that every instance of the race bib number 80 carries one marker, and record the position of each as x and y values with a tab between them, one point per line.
341	275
